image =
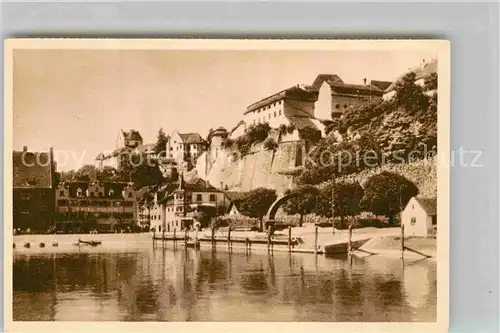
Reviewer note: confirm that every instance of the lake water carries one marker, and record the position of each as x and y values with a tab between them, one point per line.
167	284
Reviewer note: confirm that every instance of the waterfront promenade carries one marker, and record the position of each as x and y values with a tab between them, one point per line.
382	241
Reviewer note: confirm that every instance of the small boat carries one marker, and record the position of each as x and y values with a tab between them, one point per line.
194	244
91	243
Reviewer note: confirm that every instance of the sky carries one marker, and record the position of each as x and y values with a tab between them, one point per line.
76	101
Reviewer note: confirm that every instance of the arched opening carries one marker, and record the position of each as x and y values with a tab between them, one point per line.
271	213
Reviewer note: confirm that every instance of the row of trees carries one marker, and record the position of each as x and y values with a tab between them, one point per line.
383	194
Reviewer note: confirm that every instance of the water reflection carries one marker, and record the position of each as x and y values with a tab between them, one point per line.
166	284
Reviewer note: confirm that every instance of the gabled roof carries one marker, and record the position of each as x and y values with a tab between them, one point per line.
191	138
234	195
429	205
100	157
132	135
295	92
355	89
382	85
337	85
31	169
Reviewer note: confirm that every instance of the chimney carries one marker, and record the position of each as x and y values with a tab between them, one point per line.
364	81
221	186
25	149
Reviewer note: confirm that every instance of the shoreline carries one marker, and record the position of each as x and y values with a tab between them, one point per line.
382	242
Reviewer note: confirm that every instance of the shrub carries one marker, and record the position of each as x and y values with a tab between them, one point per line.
258	133
283	129
310	134
254	134
270	144
228	143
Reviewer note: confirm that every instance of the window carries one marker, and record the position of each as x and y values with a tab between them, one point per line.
337	106
198	197
345	106
212	197
130	194
101	194
274	114
91	194
61	193
159	228
279	112
413	221
269	116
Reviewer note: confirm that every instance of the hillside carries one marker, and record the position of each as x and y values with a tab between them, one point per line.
398	135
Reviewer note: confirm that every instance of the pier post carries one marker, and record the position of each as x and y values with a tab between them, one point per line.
229	236
349	239
268	238
289	239
154	237
315	239
402	239
175	229
163	234
213	236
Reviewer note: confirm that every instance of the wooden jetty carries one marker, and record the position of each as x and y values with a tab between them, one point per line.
269	242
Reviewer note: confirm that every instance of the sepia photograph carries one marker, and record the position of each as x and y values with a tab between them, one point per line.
225	181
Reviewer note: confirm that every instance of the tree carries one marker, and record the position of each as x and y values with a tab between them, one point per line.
346	199
431	82
303	201
161	142
410	95
205	214
109	174
86	173
387	194
257	202
145	171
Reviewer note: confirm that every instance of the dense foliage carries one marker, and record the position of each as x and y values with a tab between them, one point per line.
161	143
310	134
270	144
257	202
340	198
303	201
387	194
398	130
254	134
